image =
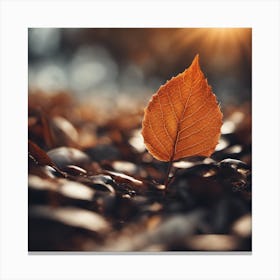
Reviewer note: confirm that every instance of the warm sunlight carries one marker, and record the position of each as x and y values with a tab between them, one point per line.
230	41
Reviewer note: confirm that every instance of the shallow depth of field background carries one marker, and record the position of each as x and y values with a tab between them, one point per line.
103	191
129	64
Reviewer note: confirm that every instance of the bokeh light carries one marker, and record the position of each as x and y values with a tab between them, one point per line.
98	63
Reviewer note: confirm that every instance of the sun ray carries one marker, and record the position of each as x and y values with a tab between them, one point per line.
231	42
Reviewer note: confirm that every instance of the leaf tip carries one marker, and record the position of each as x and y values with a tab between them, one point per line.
196	60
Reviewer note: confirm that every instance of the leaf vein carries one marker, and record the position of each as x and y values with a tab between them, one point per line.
162	118
172	106
194	145
161	144
197	131
197	121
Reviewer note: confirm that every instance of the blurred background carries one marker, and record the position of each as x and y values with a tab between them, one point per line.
129	64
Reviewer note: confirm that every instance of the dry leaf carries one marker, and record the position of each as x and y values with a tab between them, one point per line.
38	154
41	158
183	118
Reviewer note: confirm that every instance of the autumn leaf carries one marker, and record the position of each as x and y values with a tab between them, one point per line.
40	157
183	118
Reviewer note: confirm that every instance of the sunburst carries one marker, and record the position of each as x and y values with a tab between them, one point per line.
213	42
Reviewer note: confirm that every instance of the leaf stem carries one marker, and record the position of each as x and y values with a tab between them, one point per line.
166	181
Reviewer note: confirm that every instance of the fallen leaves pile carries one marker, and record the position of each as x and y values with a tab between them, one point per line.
92	185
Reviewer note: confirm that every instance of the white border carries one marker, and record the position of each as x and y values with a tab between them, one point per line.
17	16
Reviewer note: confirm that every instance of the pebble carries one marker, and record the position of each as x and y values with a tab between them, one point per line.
103	152
72	216
243	226
64	156
212	242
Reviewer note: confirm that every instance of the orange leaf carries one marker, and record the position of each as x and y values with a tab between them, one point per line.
183	118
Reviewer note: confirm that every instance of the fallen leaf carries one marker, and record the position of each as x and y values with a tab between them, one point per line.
183	118
39	156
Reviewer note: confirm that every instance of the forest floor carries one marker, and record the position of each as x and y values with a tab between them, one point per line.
92	186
